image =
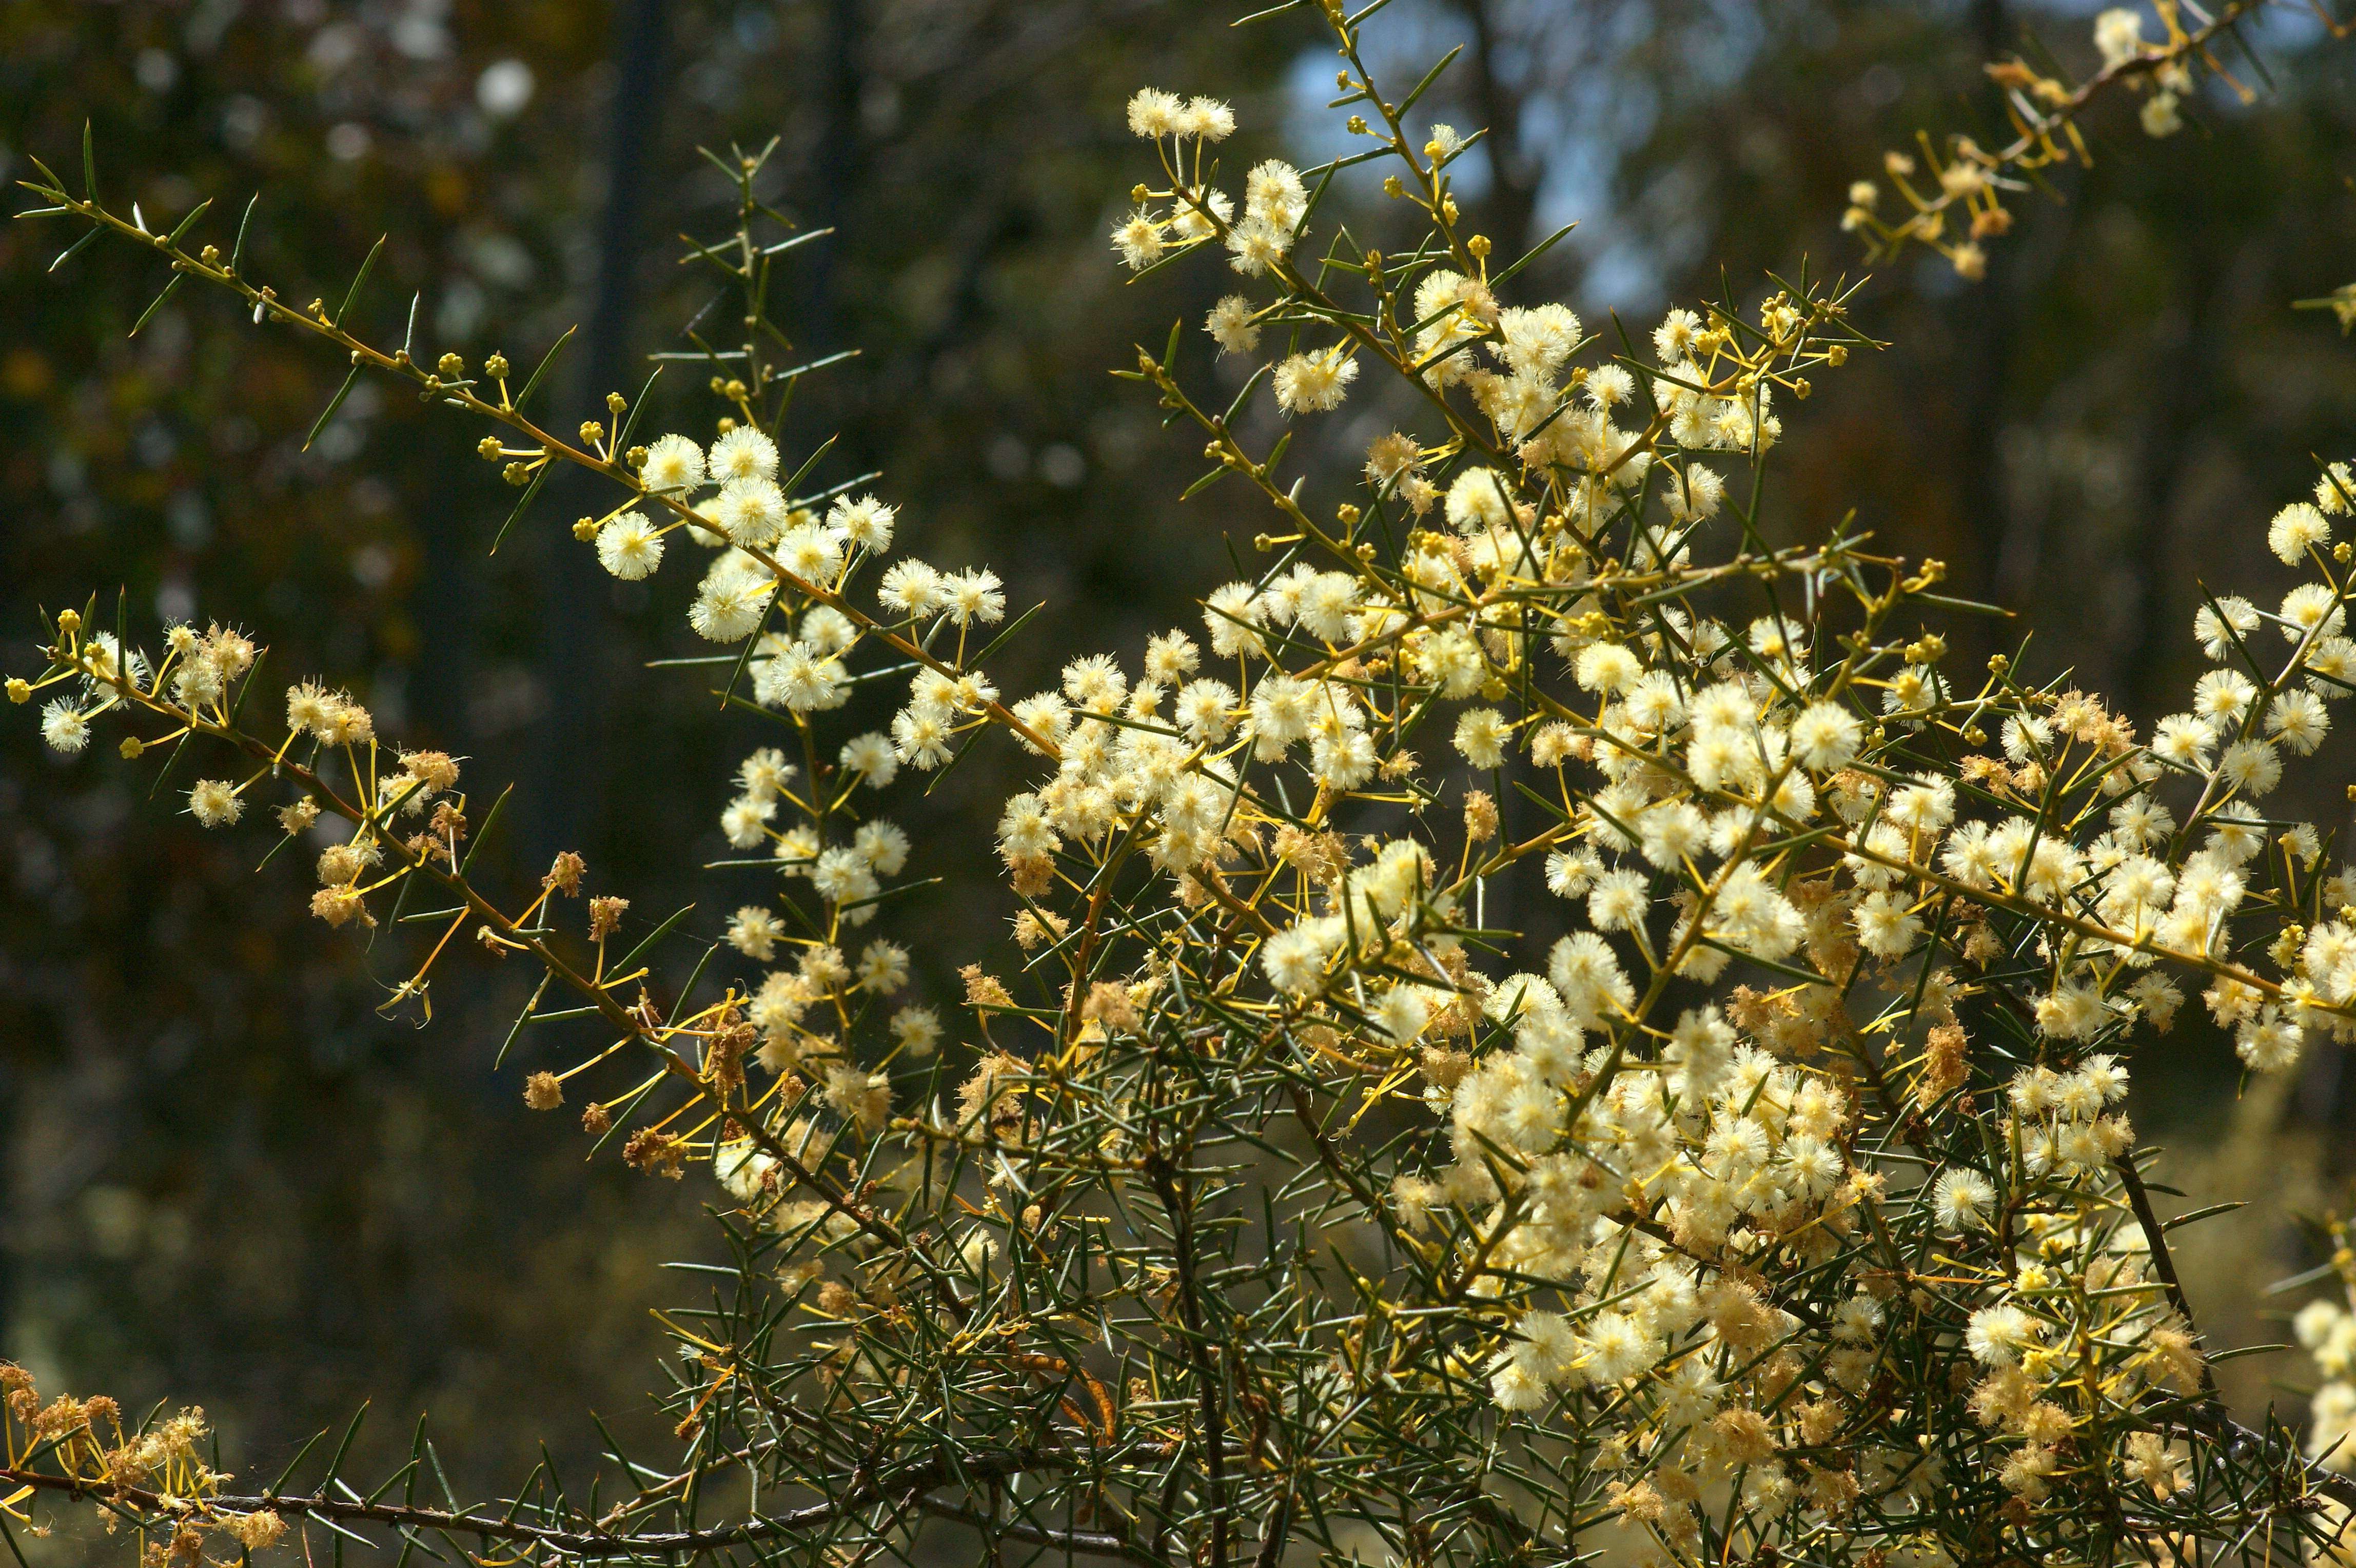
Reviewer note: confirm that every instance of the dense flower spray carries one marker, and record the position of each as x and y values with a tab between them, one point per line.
1762	1193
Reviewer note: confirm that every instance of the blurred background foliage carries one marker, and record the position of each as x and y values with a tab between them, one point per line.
225	1176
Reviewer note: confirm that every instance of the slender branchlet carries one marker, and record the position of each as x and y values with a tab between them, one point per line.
1954	202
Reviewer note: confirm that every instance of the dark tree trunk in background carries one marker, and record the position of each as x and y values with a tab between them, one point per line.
1989	325
1512	202
2183	382
567	803
10	1091
834	167
819	193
